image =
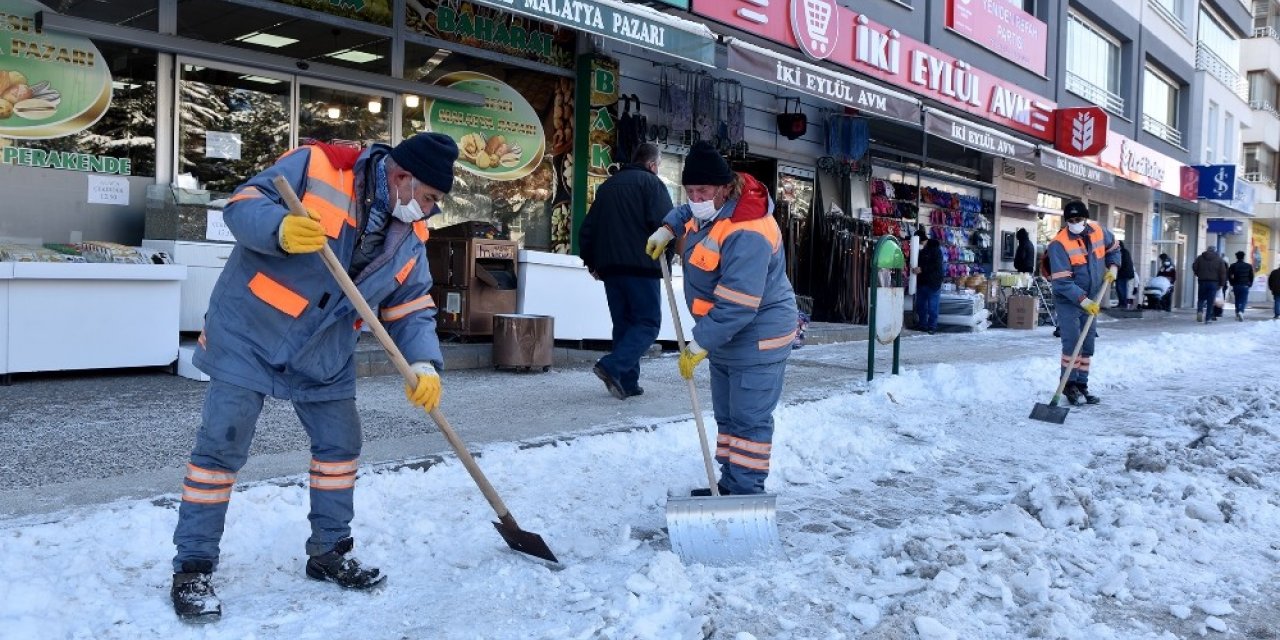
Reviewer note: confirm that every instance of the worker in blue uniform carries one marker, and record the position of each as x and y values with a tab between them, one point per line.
736	286
279	325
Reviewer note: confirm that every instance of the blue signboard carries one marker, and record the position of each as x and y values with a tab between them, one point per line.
1217	181
1243	199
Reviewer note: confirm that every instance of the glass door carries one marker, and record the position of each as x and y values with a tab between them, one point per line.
233	122
337	114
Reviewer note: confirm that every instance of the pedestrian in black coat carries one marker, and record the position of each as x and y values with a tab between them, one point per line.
1124	276
1024	256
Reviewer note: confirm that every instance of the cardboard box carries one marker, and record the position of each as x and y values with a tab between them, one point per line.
1024	312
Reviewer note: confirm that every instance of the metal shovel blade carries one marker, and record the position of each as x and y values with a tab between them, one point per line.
525	542
1049	412
721	530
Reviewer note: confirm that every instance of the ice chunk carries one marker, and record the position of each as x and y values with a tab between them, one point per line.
1180	611
930	629
1215	607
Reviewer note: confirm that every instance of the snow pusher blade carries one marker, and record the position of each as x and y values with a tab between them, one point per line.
1049	412
1052	412
716	529
515	537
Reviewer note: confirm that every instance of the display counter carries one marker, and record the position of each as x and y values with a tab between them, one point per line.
558	285
61	316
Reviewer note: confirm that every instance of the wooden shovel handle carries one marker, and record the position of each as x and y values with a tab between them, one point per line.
1075	354
406	371
693	388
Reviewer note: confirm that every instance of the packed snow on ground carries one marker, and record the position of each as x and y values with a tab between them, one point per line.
925	505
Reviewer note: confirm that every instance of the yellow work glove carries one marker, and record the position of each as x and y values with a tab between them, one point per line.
426	393
689	359
1090	307
657	242
1110	275
302	235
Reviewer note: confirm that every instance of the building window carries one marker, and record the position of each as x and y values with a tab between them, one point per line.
1264	92
1259	164
1218	52
1160	106
1211	133
1172	10
1093	65
1229	151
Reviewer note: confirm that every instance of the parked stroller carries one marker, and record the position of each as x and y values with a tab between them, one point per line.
1155	292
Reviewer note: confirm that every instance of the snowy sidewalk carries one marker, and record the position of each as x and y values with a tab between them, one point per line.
921	506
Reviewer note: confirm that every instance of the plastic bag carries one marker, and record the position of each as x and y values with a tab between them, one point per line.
1219	300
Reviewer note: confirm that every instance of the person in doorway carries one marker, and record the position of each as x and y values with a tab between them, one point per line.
736	286
1273	283
1210	271
279	325
1168	271
1024	255
628	207
928	286
1124	277
1081	257
1240	275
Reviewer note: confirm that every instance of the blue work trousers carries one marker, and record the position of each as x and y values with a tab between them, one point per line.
1071	321
926	304
222	447
1122	293
1242	297
744	397
635	306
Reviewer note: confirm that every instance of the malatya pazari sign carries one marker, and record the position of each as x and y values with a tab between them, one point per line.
654	31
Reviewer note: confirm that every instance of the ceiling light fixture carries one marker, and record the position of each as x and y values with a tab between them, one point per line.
375	106
411	102
266	40
334	113
351	55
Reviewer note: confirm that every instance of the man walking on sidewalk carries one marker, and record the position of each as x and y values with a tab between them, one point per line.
1240	275
628	207
1081	257
1210	271
1273	283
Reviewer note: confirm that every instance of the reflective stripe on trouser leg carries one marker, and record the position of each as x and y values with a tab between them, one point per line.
744	398
222	447
1071	321
334	429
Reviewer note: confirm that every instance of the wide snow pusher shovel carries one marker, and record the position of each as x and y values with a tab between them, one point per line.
1052	412
716	529
515	537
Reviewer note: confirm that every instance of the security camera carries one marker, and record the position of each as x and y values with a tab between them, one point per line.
304	65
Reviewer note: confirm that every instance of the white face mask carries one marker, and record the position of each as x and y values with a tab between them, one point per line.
411	212
1075	227
704	210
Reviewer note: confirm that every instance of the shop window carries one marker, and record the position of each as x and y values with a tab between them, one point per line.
139	14
127	130
1093	64
285	35
346	117
516	168
232	124
1160	106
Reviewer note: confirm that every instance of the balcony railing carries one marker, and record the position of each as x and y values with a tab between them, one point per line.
1095	94
1258	177
1266	32
1161	130
1168	15
1264	105
1207	60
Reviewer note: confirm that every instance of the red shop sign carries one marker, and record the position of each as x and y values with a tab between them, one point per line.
1003	27
1081	131
878	51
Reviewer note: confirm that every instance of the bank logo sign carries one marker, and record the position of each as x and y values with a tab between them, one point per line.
816	26
51	85
1081	131
1217	181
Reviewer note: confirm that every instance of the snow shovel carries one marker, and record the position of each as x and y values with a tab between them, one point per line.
1052	412
515	537
716	529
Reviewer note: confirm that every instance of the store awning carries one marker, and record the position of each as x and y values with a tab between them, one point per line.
785	71
629	23
1076	168
976	136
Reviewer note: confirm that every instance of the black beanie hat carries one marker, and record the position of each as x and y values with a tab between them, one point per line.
705	165
429	157
1075	209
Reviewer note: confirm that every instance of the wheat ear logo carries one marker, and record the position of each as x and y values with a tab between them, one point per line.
1082	131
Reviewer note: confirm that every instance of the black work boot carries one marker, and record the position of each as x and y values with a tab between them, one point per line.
1089	398
611	383
341	570
705	493
192	593
1073	394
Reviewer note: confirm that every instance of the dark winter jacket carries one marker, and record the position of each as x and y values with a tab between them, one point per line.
1240	274
1024	257
1210	267
1273	282
628	207
1168	271
1126	265
930	264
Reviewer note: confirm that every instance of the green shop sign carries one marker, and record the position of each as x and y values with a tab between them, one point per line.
500	140
625	26
51	85
495	32
68	160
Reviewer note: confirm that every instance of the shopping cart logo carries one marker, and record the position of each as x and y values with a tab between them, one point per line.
816	25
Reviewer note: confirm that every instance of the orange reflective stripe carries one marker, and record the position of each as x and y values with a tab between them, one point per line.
766	226
206	496
420	229
391	314
737	297
749	462
209	476
333	483
334	468
277	295
404	272
701	307
752	446
778	342
328	193
247	193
